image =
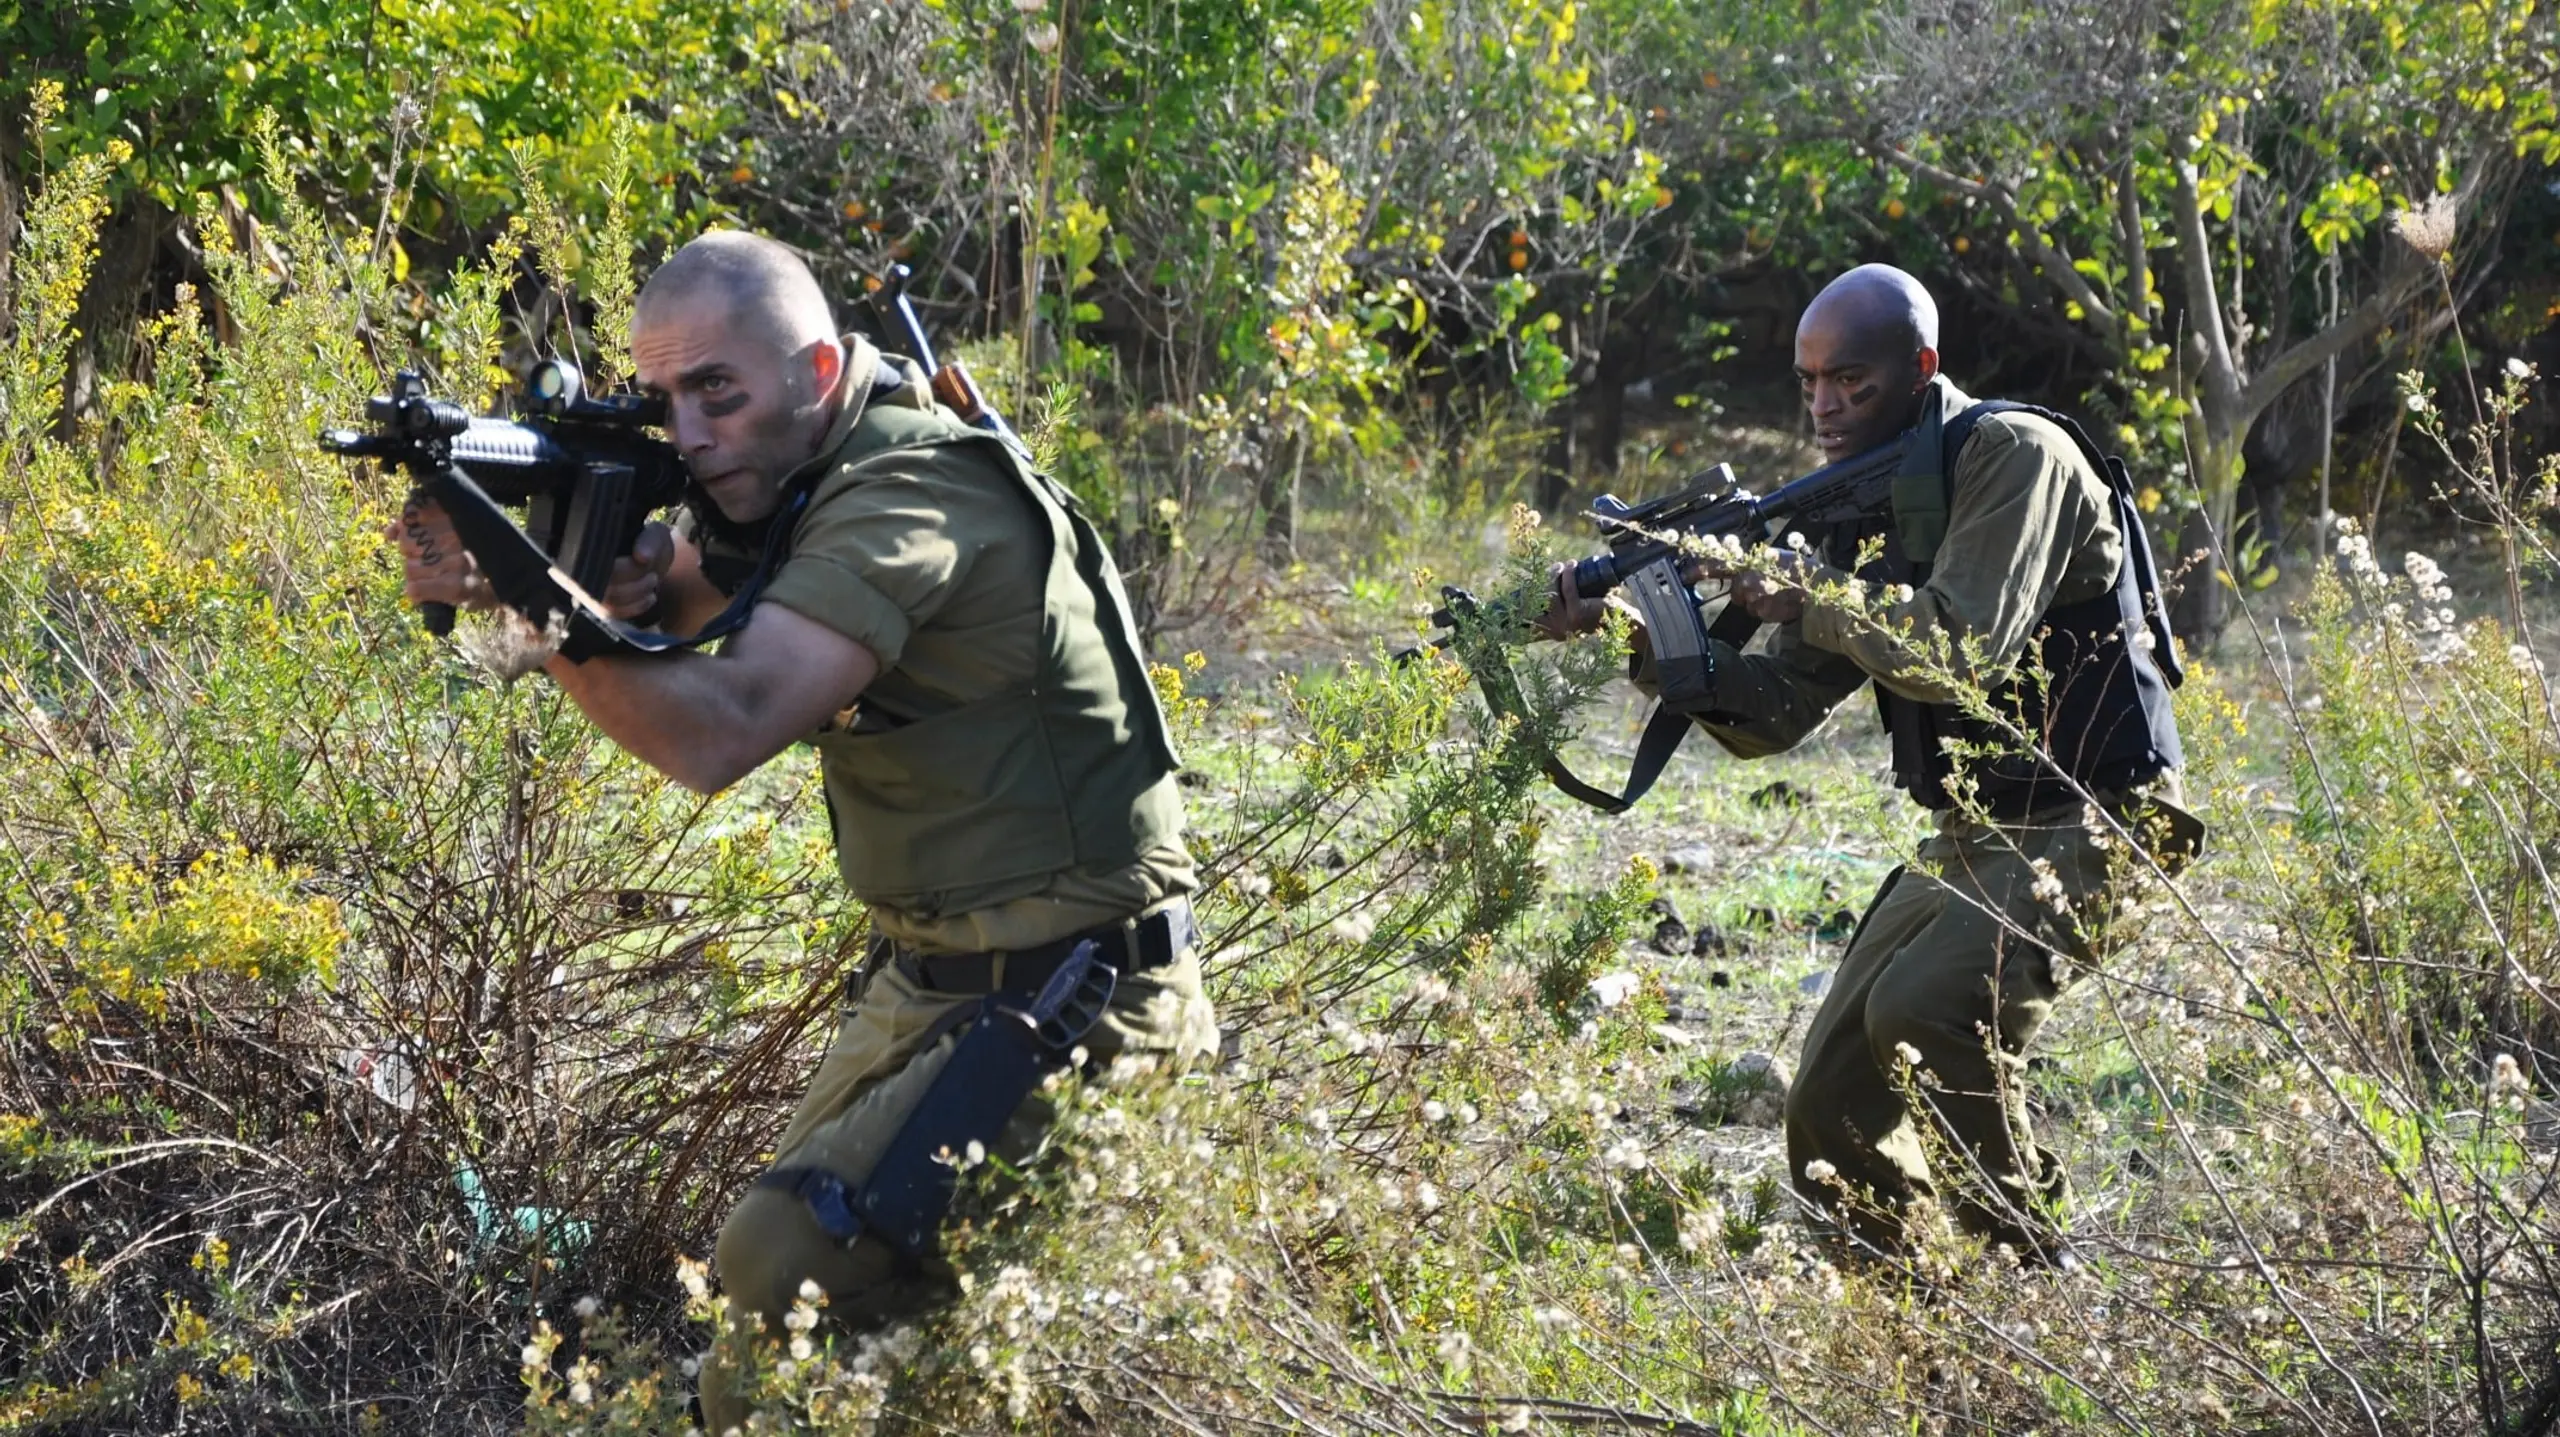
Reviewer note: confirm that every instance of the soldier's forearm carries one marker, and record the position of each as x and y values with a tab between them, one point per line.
1763	707
1889	658
708	720
1763	704
673	712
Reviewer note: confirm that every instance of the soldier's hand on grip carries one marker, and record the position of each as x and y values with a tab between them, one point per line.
1567	613
438	569
639	576
1770	600
1770	585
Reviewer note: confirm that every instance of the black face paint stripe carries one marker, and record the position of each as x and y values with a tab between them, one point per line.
725	405
1859	397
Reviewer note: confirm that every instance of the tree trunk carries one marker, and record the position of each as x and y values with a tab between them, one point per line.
10	148
2202	557
1277	496
119	292
1555	480
1609	404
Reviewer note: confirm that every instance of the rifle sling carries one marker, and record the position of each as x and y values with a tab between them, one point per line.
1663	731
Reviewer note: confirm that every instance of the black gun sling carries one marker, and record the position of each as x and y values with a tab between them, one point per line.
1663	732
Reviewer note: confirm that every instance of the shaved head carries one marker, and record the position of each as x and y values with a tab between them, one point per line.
762	285
735	333
1880	306
1866	350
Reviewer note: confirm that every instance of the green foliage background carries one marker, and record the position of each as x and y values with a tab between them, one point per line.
361	1013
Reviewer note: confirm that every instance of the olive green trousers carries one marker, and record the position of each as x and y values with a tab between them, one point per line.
892	1045
1907	1097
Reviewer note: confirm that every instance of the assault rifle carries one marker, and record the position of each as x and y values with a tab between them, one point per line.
587	475
582	467
1648	545
953	386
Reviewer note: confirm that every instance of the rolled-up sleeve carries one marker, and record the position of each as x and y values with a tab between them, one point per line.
2022	511
878	553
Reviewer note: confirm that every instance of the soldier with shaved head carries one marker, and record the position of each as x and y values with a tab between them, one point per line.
948	633
2007	616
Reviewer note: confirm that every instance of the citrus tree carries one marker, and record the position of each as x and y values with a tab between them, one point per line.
420	120
2192	194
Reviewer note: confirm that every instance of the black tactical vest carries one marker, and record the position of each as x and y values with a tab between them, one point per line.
2095	706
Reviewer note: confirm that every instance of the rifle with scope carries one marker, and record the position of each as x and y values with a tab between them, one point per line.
587	471
584	468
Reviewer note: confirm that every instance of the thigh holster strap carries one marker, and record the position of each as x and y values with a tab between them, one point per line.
1001	1057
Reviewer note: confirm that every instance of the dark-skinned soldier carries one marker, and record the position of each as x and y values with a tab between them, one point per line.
951	638
1952	970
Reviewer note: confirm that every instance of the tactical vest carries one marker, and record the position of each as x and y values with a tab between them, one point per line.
2096	707
1071	769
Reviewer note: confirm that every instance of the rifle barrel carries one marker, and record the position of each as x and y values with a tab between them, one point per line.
1826	494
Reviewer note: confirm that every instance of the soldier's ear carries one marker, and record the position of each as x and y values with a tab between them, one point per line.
1928	365
826	364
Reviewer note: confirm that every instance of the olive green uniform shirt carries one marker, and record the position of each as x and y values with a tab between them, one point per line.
2028	526
934	560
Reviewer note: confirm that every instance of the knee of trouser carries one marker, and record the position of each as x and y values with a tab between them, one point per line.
1940	1020
767	1248
1808	1107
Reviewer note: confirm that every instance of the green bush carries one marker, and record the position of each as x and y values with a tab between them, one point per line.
381	1042
402	986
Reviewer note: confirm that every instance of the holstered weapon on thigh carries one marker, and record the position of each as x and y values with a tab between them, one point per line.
1002	1056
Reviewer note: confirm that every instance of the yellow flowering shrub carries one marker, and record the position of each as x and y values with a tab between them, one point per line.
231	913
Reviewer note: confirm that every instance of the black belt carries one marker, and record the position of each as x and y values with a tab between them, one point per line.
1150	942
